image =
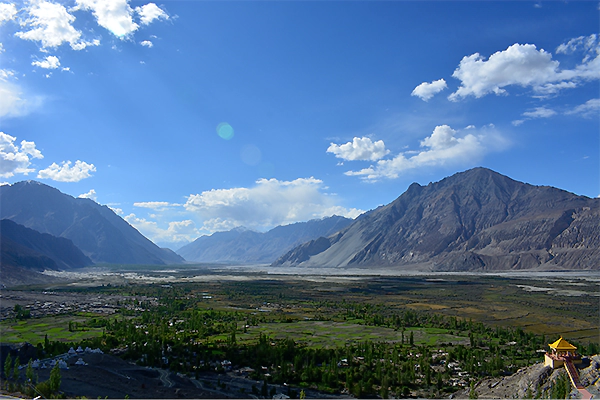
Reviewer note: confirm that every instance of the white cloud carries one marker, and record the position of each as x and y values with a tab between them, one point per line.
521	65
540	112
359	149
585	43
16	159
114	15
177	232
51	25
149	12
66	172
147	43
444	146
117	210
8	12
155	205
526	66
426	91
590	108
269	203
50	62
89	195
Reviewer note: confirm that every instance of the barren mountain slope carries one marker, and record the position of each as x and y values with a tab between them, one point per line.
474	220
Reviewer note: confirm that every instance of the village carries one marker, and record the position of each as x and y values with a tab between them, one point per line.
34	304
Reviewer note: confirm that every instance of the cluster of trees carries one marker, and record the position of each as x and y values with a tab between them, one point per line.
182	333
28	384
21	313
184	338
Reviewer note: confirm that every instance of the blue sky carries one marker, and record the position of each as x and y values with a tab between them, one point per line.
190	117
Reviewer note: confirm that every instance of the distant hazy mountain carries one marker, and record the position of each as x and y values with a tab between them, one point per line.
29	248
244	246
474	220
96	230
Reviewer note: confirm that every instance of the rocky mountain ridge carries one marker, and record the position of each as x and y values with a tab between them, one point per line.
96	230
477	220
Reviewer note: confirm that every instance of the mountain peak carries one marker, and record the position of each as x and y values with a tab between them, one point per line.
476	219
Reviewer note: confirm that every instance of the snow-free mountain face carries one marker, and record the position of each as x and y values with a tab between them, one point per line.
25	253
29	248
96	230
474	220
245	246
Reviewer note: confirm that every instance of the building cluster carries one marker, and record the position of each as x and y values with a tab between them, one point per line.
63	360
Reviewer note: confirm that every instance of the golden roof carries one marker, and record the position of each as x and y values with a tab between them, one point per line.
562	344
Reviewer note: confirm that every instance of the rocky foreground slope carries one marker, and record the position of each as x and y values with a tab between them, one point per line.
535	382
477	220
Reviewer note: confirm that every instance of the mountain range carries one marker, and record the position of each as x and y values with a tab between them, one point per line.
24	253
96	230
244	246
477	220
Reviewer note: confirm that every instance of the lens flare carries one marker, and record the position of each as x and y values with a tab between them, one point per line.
225	131
251	155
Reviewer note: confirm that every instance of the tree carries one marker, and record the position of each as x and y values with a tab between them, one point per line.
472	392
30	373
264	390
55	378
411	339
7	367
16	369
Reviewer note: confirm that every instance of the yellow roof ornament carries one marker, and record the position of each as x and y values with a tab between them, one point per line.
562	344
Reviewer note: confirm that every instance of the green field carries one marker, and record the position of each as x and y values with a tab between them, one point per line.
329	334
56	327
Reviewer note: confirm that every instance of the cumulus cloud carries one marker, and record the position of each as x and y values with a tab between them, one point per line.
8	12
444	146
67	173
359	149
15	159
51	25
526	66
270	202
177	231
89	195
114	15
149	12
50	62
426	91
147	43
519	64
590	108
116	210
